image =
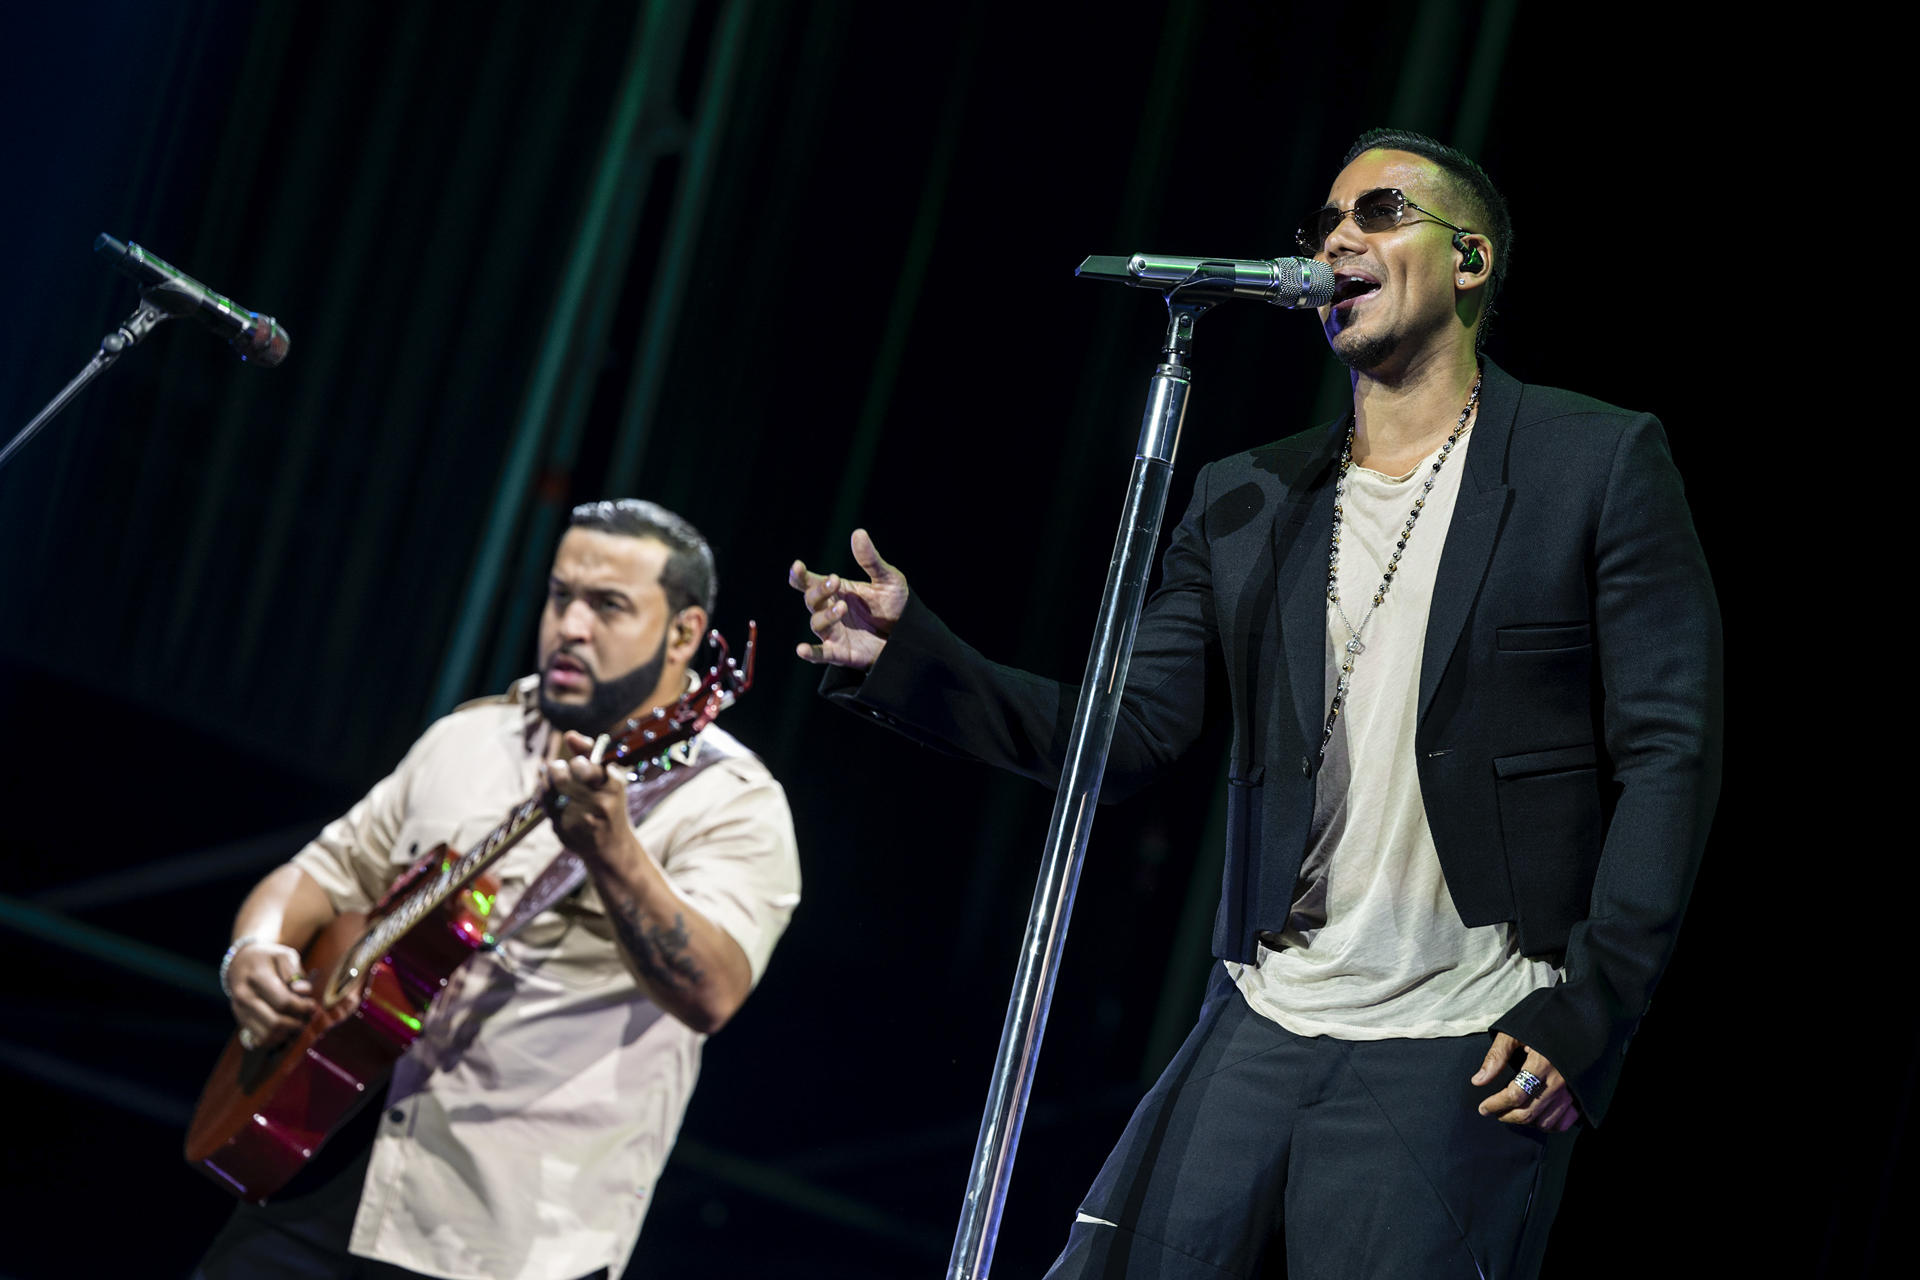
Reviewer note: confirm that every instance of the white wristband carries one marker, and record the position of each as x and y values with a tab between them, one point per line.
226	962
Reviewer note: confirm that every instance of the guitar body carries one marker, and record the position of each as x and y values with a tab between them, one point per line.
264	1112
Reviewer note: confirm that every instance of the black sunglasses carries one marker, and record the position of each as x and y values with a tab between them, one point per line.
1374	211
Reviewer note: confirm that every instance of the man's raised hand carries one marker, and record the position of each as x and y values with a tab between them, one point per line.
851	619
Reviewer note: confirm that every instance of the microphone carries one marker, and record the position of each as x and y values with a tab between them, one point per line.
256	337
1285	282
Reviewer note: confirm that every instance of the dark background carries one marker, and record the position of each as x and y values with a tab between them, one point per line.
788	269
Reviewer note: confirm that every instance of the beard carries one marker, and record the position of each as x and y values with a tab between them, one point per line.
609	701
1363	355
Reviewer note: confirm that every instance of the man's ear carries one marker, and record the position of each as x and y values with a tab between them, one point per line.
686	632
1473	250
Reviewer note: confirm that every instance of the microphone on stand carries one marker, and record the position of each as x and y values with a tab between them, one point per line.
1284	282
256	337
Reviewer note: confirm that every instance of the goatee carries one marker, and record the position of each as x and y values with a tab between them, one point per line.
1367	354
611	700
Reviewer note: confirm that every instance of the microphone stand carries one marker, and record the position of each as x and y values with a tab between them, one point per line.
152	311
1072	822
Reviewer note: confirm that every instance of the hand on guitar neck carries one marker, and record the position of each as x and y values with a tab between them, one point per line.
588	799
685	963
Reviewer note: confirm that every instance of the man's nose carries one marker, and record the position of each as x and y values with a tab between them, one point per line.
576	620
1344	239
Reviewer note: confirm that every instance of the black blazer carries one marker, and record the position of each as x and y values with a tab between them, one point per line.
1570	696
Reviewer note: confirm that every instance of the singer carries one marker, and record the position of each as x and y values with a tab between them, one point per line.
1473	658
525	1128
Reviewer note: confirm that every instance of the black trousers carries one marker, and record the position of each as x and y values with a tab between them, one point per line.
1260	1153
302	1233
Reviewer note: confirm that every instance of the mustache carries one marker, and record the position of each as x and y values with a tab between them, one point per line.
607	700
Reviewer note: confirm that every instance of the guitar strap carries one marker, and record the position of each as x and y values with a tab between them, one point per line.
567	872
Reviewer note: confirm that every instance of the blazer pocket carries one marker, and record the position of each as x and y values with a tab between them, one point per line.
1549	635
1557	760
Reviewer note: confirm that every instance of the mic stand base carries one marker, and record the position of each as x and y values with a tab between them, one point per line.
136	326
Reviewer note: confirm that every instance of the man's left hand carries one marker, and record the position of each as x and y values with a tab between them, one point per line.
588	800
1551	1106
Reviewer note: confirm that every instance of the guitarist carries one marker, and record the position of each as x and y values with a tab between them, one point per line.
524	1130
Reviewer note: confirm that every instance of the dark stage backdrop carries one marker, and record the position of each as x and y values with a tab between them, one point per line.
786	268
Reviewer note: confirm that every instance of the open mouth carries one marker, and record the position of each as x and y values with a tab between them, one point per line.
566	671
1347	287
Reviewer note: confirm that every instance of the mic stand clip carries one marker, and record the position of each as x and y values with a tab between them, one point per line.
155	308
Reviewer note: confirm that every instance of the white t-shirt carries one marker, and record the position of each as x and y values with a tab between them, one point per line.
1374	949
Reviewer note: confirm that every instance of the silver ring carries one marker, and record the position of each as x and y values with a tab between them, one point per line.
1530	1084
559	801
246	1039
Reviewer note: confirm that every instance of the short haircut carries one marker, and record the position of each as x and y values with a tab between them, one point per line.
1486	207
688	577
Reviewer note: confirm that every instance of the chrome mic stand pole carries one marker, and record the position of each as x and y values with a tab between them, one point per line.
1079	791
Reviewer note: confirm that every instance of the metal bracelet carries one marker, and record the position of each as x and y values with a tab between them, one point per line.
226	962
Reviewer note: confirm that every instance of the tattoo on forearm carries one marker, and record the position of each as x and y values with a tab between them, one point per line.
661	951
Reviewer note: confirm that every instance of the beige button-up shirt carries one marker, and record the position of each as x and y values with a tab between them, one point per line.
527	1125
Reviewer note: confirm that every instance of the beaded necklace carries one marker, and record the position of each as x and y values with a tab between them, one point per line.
1354	647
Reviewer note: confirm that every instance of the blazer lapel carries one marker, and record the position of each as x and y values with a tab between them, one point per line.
1474	530
1300	532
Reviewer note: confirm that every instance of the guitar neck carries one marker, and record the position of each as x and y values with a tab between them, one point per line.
452	877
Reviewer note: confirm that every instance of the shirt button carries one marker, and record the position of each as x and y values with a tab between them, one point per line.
396	1115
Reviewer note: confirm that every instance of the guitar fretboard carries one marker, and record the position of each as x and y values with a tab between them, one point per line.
452	876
